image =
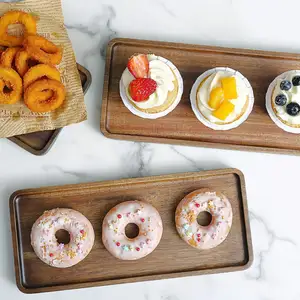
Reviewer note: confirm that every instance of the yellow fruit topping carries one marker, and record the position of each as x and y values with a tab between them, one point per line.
216	97
224	110
229	88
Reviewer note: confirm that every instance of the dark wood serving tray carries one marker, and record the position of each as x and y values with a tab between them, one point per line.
181	126
172	258
39	143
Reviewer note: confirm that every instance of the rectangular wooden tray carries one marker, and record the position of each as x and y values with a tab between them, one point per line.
181	126
39	143
172	258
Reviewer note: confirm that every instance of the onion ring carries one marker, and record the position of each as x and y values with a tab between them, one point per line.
34	96
11	79
8	57
42	50
21	62
13	17
38	72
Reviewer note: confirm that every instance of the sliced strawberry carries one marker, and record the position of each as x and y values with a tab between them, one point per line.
138	65
141	88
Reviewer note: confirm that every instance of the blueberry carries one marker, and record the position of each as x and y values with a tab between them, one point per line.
280	100
296	81
293	109
285	85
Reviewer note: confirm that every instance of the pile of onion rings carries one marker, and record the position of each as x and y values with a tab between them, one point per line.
32	58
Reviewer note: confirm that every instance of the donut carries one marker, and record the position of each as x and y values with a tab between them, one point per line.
46	246
204	200
149	223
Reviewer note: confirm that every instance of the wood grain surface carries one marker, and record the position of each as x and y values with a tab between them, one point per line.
39	143
172	258
181	126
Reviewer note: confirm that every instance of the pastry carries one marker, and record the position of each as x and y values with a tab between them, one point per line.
195	203
150	86
149	223
59	255
283	101
222	98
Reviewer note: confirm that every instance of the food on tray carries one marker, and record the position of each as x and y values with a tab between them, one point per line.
42	50
222	98
41	71
11	86
43	91
16	17
283	101
22	62
151	86
149	223
46	245
8	57
37	96
211	234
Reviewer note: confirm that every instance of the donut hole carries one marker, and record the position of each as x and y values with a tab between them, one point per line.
204	218
132	230
62	236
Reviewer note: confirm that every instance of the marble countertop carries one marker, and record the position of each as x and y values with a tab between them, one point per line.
82	154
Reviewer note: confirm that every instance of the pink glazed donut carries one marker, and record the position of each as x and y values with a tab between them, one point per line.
149	222
45	244
204	237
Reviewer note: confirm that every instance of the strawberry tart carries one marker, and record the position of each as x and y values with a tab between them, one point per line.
151	86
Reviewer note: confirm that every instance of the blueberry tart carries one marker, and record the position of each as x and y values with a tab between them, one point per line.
283	101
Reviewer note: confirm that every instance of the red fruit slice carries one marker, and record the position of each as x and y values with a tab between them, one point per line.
141	88
138	65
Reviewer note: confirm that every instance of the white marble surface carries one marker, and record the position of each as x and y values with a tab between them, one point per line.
82	154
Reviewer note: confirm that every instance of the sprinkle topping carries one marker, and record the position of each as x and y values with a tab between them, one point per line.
119	216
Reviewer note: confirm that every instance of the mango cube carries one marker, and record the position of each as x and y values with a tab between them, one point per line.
224	110
216	97
229	88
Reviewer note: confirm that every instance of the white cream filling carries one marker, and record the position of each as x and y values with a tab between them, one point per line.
162	74
213	81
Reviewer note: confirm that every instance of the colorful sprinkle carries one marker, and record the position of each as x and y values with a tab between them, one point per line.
198	235
198	240
128	214
137	249
119	216
82	231
197	204
138	211
186	226
142	244
118	244
130	248
125	248
110	226
148	241
143	220
51	254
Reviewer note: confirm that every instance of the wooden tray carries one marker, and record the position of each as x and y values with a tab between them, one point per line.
258	133
39	143
172	258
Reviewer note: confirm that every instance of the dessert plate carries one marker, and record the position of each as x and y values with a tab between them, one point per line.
257	133
39	143
172	258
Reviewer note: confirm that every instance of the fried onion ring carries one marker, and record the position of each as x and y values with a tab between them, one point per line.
21	62
8	57
14	17
10	79
42	50
38	72
34	96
